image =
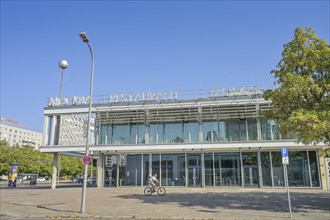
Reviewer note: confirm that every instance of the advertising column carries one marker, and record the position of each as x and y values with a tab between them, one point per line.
13	174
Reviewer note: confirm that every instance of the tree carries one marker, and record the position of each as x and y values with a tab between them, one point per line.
301	101
32	161
71	166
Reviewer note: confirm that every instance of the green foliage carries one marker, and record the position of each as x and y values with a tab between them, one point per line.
32	161
71	166
301	103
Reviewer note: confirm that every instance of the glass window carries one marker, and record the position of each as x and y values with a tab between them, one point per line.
252	129
266	133
182	169
222	131
298	172
146	172
236	130
185	132
266	169
130	170
208	160
277	169
314	169
194	169
156	165
210	131
161	133
132	134
250	158
152	133
227	169
275	130
172	169
103	134
121	134
269	130
110	169
173	133
289	136
141	134
109	134
194	132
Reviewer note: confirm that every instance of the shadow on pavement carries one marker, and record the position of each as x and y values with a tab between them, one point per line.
259	201
44	206
47	186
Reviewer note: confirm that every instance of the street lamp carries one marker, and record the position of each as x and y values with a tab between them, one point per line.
85	39
63	64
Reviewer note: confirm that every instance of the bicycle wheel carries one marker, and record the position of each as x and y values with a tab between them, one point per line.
161	191
147	191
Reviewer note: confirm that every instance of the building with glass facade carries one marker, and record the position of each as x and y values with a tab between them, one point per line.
217	139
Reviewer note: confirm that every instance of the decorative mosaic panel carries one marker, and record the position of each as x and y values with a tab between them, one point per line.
73	129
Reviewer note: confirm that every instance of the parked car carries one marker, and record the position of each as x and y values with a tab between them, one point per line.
79	180
21	178
91	181
41	179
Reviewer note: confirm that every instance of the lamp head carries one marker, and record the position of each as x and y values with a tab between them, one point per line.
63	64
84	37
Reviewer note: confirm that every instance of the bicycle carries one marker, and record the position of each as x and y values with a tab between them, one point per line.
159	189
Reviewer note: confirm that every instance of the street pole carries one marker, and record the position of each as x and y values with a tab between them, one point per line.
287	187
63	64
85	39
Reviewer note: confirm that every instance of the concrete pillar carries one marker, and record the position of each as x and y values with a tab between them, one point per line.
99	171
45	131
52	133
261	185
54	173
203	169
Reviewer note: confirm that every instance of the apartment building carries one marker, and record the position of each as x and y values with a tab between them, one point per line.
16	134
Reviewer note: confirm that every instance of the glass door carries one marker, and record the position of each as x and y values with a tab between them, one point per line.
251	176
194	170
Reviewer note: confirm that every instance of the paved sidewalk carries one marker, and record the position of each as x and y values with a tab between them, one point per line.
178	203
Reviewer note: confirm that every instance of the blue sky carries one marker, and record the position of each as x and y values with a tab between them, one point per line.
142	46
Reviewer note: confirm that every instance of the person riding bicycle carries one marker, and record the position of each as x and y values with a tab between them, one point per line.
153	181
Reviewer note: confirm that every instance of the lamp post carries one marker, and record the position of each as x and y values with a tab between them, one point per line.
63	64
85	39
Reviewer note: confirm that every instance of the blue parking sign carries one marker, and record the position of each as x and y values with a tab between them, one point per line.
285	152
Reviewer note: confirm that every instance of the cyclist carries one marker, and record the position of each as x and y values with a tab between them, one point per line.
149	180
152	180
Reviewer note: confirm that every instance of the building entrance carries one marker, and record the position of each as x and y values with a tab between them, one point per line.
194	170
251	176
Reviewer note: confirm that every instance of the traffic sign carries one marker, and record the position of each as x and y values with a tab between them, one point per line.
285	152
285	155
285	160
87	159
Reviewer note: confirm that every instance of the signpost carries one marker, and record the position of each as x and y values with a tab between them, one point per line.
87	159
285	162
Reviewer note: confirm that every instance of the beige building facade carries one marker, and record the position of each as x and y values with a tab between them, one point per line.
12	132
